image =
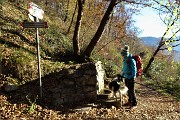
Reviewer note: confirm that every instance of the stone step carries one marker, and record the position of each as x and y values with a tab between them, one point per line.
107	91
106	98
102	96
109	102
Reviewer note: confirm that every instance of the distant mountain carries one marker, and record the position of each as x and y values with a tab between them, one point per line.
154	41
150	41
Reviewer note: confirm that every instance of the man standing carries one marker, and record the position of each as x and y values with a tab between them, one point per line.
129	72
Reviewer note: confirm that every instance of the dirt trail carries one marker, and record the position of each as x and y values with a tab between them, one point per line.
151	106
156	106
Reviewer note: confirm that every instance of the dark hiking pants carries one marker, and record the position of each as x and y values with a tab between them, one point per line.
131	91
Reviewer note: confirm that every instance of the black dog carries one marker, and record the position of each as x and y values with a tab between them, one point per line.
113	85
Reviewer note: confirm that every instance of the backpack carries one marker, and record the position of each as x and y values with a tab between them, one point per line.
138	60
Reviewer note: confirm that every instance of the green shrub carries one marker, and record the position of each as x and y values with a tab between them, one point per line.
1	1
55	43
24	66
32	105
165	75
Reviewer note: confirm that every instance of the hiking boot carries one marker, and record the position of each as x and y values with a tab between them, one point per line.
127	104
132	107
134	104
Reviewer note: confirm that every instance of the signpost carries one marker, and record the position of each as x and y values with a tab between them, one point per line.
34	25
36	13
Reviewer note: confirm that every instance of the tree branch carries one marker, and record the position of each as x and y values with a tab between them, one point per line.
172	46
107	44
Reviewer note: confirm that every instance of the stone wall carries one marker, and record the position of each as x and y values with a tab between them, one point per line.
71	85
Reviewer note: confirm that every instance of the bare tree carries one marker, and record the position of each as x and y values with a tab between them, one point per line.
72	19
66	13
93	42
100	30
77	29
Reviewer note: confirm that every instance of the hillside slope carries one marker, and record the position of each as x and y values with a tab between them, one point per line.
18	45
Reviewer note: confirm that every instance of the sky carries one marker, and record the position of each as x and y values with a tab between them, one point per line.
149	23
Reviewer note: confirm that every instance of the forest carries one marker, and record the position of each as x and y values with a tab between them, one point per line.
81	31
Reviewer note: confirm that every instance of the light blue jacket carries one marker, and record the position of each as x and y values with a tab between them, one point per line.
129	67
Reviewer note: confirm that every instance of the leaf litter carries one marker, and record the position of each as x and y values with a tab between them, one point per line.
151	106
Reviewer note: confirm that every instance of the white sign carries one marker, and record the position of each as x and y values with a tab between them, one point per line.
31	17
35	10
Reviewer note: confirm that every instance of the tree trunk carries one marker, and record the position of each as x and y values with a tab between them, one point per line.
95	39
66	13
77	29
72	20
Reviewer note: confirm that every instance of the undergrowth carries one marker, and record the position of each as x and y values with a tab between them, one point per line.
18	46
166	77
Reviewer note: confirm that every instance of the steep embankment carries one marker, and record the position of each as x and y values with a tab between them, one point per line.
18	58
